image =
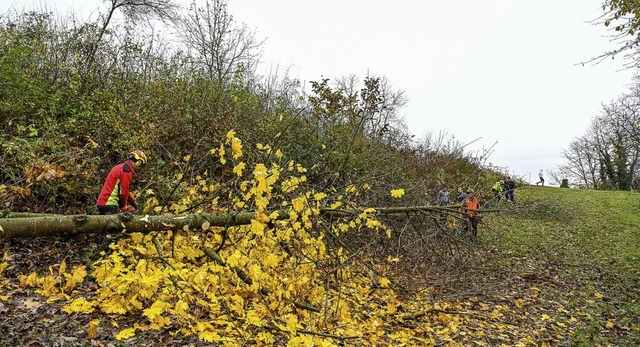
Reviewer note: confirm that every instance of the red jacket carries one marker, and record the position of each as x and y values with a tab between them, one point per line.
116	188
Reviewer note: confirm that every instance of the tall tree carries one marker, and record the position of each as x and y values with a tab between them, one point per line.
581	164
134	10
222	48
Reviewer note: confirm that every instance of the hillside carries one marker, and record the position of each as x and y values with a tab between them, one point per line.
571	256
558	267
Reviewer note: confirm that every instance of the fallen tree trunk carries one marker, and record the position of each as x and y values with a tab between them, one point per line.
15	225
124	222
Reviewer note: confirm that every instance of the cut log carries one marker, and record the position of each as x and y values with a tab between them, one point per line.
124	222
15	225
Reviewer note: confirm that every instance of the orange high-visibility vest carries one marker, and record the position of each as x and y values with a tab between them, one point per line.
471	204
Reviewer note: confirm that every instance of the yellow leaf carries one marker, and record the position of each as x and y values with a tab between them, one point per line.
156	309
126	333
79	305
610	324
208	336
598	295
92	329
253	318
297	204
393	260
236	148
397	193
319	196
546	317
239	168
63	267
271	261
292	323
335	205
236	304
519	303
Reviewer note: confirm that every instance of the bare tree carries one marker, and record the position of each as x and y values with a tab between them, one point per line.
135	10
222	48
581	163
607	156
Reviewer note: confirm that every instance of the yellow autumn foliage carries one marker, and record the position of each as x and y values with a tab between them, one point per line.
278	280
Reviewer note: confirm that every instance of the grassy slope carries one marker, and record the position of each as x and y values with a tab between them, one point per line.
572	257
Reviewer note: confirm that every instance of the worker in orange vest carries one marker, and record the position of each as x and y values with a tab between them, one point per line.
470	206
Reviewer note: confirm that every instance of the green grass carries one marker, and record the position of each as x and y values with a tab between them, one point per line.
581	250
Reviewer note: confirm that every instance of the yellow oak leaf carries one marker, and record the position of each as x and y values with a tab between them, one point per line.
79	305
156	309
92	329
126	334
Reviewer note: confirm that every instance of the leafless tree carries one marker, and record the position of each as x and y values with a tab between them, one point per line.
222	48
581	164
607	156
135	10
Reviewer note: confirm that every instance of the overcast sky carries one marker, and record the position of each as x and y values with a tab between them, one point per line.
505	72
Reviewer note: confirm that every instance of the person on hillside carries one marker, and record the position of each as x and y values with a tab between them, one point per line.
497	189
443	197
470	206
509	187
115	196
461	195
540	174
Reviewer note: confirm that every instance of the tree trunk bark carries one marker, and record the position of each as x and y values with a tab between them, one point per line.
48	225
17	224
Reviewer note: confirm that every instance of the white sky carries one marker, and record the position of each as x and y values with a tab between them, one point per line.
504	71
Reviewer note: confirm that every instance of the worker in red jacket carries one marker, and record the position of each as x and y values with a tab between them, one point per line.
116	196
